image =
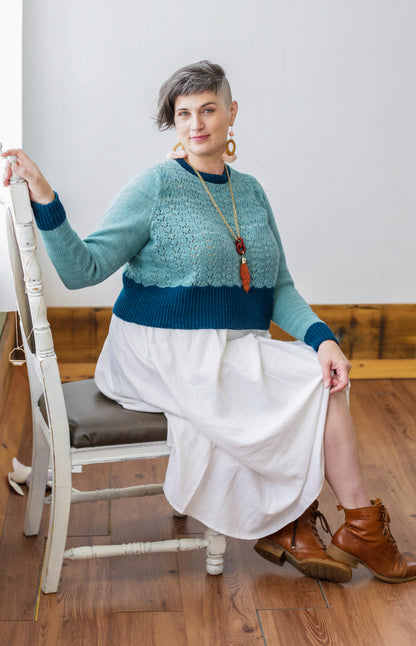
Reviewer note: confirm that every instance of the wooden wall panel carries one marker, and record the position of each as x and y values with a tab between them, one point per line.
365	331
79	332
370	331
398	338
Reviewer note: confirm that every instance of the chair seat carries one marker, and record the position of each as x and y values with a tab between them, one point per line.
96	420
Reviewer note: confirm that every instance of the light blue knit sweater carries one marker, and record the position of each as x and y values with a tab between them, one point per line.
181	266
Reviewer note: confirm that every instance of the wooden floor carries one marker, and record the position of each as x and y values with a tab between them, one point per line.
168	599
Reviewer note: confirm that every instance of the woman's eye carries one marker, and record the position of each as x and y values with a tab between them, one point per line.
182	114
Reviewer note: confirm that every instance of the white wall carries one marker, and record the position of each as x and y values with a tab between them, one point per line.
10	124
327	100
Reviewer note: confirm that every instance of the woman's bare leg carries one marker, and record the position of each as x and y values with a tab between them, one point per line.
342	464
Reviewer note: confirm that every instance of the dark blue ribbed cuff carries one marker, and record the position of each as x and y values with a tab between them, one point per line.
318	333
49	216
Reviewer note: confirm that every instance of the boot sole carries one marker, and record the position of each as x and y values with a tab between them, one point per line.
314	568
340	555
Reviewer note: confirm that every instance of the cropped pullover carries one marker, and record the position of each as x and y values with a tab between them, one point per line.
181	268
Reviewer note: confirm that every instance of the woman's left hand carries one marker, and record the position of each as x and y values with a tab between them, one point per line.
335	366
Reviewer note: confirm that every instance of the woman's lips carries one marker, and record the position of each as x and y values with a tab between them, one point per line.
200	138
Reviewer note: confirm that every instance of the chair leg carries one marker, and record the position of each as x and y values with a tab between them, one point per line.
56	541
215	552
40	464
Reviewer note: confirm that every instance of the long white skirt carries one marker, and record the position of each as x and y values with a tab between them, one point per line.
245	413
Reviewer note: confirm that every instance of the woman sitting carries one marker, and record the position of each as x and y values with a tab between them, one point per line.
254	424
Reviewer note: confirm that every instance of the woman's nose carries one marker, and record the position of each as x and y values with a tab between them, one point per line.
196	123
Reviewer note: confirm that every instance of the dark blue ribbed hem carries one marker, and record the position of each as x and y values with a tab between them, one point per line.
194	308
318	333
49	216
207	177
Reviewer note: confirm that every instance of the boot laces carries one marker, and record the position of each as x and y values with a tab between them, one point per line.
324	523
315	513
385	519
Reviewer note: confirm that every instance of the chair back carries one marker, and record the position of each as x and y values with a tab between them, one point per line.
43	372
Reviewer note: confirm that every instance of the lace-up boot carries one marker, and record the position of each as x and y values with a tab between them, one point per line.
300	544
365	538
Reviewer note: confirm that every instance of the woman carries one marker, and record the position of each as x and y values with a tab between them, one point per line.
249	418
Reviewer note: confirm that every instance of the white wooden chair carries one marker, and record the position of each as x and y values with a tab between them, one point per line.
75	425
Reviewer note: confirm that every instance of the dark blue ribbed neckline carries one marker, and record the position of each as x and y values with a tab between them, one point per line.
207	177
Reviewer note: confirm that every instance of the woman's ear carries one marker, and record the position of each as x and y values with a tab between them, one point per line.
233	111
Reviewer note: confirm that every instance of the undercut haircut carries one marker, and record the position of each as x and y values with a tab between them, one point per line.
191	79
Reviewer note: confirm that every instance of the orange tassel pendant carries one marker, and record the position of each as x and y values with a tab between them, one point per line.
245	274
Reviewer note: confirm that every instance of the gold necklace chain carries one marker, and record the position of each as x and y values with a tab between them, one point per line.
239	242
216	205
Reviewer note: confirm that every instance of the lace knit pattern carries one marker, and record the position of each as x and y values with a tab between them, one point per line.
181	266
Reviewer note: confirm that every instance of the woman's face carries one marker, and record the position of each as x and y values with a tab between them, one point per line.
202	121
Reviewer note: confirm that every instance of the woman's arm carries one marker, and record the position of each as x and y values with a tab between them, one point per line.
293	314
39	189
121	234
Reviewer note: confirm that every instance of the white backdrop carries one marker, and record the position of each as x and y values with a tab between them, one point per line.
10	124
327	98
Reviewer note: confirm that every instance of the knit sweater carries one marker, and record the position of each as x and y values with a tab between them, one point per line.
181	268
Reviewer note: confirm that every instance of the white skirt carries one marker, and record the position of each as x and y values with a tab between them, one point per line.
246	417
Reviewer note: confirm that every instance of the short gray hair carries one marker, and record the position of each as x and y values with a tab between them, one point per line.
191	79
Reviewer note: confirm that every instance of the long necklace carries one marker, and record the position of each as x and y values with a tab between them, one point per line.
239	242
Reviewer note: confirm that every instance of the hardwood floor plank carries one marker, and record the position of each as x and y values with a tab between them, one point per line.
152	580
149	629
91	518
145	583
273	586
83	594
16	418
70	633
20	563
380	613
218	609
19	633
316	626
147	518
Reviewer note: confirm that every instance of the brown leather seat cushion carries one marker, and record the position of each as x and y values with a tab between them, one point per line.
95	420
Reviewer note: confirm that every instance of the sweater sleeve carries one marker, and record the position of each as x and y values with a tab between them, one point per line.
290	310
121	234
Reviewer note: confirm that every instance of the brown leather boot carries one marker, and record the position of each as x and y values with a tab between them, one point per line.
365	538
300	544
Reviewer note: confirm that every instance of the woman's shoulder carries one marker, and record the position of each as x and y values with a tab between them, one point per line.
148	179
156	174
246	180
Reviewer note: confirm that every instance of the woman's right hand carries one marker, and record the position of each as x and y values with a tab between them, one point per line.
39	189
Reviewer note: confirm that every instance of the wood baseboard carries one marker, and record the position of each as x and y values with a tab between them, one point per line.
385	331
383	369
380	340
361	369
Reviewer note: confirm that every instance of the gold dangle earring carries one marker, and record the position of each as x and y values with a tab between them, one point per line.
229	155
177	154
